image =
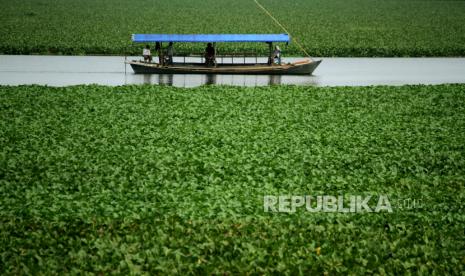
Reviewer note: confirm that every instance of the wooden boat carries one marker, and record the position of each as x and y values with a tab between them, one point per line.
303	67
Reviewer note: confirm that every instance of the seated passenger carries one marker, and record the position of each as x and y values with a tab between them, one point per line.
210	55
146	54
277	55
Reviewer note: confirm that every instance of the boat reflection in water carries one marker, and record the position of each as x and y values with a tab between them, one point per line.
193	80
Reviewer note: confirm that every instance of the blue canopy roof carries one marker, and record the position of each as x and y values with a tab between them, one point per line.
210	38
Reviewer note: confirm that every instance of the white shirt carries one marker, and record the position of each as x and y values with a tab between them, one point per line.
146	52
277	53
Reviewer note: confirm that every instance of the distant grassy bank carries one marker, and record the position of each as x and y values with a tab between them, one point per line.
165	180
325	27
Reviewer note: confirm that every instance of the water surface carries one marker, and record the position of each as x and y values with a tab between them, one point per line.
111	70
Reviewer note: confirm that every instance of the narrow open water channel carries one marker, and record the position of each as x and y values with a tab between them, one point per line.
111	70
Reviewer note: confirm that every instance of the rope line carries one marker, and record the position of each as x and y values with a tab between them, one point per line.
282	27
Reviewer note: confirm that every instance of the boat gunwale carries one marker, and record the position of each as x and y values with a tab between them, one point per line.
192	65
303	67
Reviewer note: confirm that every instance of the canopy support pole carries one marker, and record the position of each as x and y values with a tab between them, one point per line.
270	53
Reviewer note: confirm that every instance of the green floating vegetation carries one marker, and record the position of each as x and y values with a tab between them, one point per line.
324	27
162	180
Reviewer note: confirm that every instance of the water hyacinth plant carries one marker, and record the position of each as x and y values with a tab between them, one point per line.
162	180
324	27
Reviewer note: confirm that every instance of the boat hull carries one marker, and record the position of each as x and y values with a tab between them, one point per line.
305	67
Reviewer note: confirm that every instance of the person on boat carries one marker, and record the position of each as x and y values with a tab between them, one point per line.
277	55
159	52
146	54
170	53
209	55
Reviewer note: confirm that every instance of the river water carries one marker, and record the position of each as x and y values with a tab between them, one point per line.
111	70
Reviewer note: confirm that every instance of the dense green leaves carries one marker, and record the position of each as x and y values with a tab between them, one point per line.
163	180
324	27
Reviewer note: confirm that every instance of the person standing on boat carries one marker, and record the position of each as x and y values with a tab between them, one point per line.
146	54
170	52
209	55
159	52
277	55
